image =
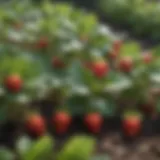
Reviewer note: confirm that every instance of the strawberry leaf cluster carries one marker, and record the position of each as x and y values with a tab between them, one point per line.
137	15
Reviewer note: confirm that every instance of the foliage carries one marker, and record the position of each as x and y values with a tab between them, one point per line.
50	31
140	16
64	55
43	149
74	150
32	35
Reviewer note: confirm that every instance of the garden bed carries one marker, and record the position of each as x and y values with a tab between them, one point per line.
93	81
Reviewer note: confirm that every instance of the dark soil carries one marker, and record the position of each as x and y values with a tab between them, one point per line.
140	149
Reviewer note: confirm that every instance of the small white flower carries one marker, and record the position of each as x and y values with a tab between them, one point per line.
155	78
23	99
119	86
81	90
73	45
15	36
2	92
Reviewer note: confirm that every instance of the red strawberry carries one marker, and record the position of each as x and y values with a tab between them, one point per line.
35	125
94	122
126	64
13	83
61	121
57	62
100	69
147	58
131	125
117	45
42	42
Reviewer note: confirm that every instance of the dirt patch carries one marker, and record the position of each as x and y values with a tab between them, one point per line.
147	148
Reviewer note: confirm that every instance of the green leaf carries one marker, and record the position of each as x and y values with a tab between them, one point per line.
47	7
101	157
40	150
3	113
131	49
73	150
77	105
105	107
158	106
156	51
5	154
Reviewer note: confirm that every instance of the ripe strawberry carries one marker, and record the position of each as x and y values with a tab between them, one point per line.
131	125
126	64
57	62
13	83
93	122
61	121
42	42
147	58
100	69
117	45
35	125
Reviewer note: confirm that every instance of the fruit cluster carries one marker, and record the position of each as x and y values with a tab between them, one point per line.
137	15
61	122
58	54
40	45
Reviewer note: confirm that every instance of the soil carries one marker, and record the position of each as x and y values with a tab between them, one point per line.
142	148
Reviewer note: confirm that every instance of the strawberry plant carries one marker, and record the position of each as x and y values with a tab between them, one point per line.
137	15
65	56
39	47
73	149
17	71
